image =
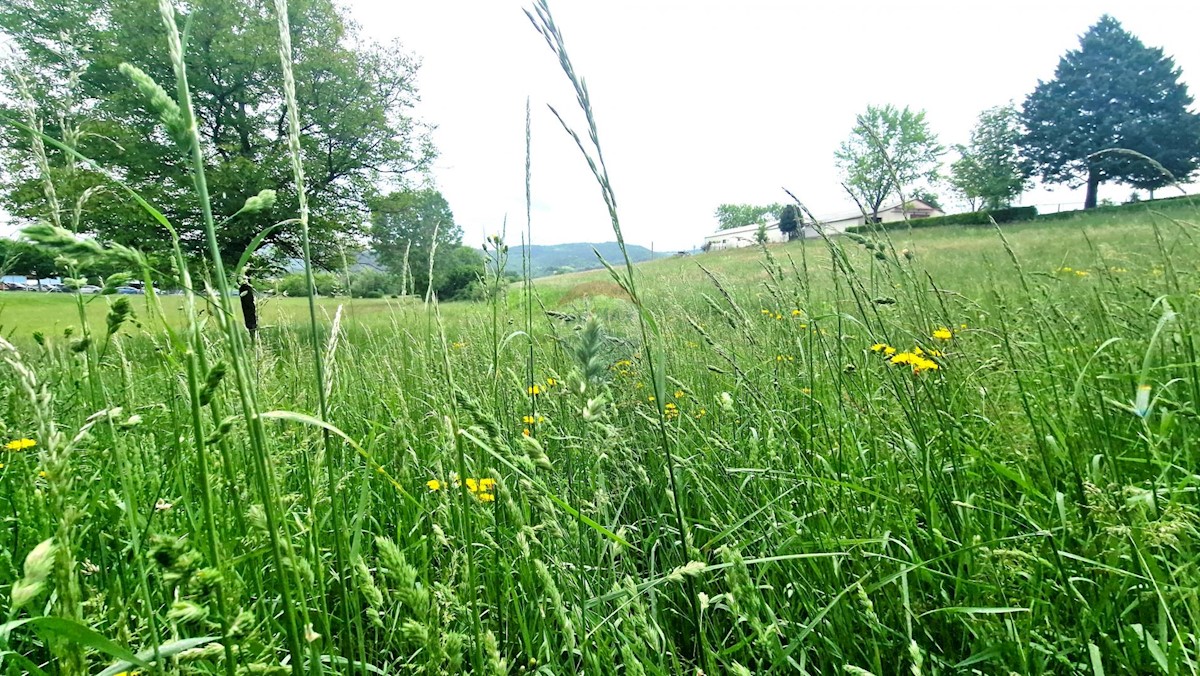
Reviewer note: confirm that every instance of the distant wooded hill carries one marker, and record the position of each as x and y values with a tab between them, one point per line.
558	259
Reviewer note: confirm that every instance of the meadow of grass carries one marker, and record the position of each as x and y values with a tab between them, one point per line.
953	451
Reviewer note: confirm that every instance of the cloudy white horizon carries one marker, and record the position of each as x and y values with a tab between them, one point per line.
699	103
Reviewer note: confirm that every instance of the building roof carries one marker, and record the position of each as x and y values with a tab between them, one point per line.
844	216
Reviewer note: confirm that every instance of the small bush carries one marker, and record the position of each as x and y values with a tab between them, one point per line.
295	284
373	284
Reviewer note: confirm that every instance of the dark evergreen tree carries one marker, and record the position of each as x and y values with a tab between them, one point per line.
789	221
1111	96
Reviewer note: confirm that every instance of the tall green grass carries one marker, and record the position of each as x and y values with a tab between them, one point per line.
710	464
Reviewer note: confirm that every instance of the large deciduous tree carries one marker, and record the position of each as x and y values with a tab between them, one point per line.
889	150
737	215
989	172
355	103
410	227
1113	94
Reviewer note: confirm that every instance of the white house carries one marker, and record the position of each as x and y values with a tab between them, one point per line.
746	235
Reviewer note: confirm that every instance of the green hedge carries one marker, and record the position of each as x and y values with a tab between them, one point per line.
1007	215
1181	201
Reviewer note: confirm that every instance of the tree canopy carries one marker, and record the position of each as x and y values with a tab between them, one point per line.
889	149
789	221
1111	95
410	226
355	102
990	172
737	215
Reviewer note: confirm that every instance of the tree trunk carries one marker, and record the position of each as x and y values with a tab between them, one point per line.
249	309
1093	187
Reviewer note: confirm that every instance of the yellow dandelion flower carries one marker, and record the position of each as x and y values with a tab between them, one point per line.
679	394
42	474
943	333
1081	273
487	484
650	398
806	390
1	465
473	485
20	444
551	382
699	414
671	411
879	347
924	365
918	351
486	497
434	485
889	351
526	432
534	389
766	312
778	316
796	313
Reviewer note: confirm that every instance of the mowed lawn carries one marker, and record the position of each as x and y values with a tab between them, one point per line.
23	313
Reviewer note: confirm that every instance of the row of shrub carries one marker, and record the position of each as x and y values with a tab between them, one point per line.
983	217
1180	201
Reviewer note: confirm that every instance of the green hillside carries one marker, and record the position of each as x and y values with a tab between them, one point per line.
555	259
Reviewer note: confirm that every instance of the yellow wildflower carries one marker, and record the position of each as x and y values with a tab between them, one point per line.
879	347
679	394
458	345
796	313
434	485
699	414
943	333
551	382
42	474
486	497
526	432
671	411
889	351
531	420
20	444
534	389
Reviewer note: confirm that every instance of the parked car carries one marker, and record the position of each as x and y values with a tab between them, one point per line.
128	291
89	288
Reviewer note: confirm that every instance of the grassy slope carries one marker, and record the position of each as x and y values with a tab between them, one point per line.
1006	512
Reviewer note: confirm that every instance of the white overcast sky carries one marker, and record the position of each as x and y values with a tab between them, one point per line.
702	102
